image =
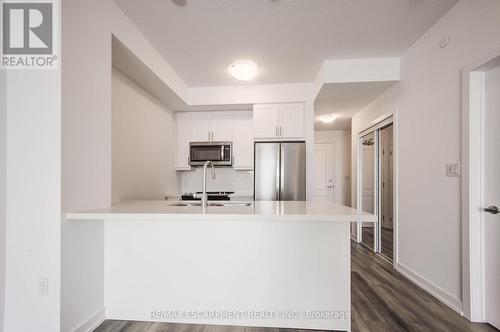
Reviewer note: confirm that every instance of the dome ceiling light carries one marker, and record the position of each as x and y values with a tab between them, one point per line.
328	118
244	70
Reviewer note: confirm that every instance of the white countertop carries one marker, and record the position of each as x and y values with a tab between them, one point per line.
257	211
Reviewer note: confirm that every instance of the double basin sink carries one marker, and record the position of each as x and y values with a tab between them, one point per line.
211	204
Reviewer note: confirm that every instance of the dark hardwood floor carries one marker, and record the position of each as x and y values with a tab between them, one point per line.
386	239
382	300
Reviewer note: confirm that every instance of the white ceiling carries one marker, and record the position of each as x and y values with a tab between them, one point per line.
345	100
289	39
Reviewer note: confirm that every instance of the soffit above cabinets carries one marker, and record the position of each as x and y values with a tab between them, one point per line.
131	66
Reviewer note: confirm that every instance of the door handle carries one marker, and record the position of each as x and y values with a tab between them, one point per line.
329	187
492	209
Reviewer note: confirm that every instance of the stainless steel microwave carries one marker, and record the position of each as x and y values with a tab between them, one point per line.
220	153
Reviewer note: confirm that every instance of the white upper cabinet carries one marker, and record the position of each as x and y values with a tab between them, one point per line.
182	138
279	121
199	129
221	126
291	120
243	140
211	126
266	120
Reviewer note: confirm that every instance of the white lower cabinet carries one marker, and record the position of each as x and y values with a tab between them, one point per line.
243	140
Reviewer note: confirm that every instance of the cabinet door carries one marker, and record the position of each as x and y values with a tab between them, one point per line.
199	130
222	126
266	119
242	140
182	141
291	119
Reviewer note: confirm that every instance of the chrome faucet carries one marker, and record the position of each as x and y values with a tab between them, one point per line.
204	194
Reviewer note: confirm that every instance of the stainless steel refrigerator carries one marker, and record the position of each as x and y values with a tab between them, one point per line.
280	171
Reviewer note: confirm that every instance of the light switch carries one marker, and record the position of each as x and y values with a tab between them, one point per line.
453	170
43	286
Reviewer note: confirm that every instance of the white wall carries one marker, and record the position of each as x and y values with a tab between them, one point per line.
428	100
86	144
33	206
357	70
30	204
3	185
341	140
143	143
250	94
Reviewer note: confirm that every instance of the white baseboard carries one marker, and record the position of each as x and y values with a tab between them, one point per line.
91	323
434	290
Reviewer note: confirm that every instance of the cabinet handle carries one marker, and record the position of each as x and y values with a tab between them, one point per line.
277	131
281	131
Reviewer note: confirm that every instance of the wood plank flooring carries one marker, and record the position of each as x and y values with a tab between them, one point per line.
386	239
382	300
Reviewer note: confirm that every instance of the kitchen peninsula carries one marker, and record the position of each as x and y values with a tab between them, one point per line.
266	263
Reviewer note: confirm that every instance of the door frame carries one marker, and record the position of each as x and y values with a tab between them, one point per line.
379	123
334	178
472	182
376	189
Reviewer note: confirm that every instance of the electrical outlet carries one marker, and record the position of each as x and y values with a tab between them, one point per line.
453	170
43	286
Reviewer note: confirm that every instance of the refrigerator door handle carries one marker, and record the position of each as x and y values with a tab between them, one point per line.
278	174
281	172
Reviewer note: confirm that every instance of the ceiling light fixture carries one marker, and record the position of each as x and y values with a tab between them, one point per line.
244	70
327	118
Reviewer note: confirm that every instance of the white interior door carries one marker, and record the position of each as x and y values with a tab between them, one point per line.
323	173
492	196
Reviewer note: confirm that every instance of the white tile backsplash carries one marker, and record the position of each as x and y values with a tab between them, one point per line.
227	179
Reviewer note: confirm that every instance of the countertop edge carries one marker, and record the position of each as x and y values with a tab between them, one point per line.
96	216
